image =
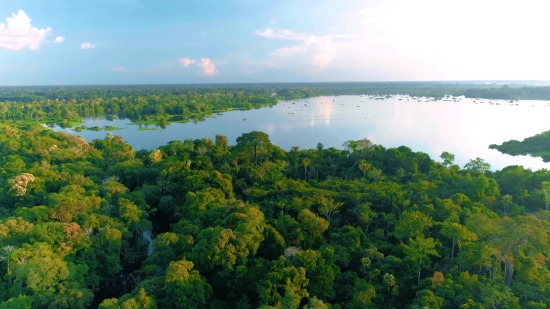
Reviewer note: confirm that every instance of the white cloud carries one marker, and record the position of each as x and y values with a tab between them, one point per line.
333	28
17	33
59	39
187	62
208	67
273	22
86	45
314	54
120	69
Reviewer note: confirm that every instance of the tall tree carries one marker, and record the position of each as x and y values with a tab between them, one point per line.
448	158
478	165
306	162
364	167
256	140
546	191
420	249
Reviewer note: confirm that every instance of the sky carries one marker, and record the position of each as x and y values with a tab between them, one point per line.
62	42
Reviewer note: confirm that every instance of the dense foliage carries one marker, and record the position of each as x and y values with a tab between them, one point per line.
536	146
156	106
201	224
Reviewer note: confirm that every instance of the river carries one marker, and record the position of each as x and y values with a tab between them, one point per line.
464	127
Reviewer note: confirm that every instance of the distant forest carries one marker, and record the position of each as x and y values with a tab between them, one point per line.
509	93
282	90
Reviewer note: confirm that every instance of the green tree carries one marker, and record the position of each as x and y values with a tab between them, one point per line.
256	140
420	249
364	167
412	224
448	158
185	288
320	147
305	163
546	191
477	165
458	233
283	287
328	207
19	302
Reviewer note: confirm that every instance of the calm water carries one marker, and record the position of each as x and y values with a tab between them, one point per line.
463	128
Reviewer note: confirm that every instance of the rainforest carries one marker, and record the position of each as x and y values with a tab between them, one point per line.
214	223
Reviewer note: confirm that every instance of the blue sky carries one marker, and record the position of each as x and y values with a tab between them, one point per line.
213	41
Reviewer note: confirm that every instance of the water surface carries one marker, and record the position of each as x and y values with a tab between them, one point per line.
459	126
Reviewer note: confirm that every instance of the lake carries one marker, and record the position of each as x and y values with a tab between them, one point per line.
465	127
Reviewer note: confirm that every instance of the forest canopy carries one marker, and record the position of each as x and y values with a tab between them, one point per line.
202	224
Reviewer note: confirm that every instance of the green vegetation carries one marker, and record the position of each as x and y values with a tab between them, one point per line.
80	129
66	106
96	128
202	224
111	128
536	146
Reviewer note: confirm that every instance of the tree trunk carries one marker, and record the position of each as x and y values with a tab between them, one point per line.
453	252
419	268
9	276
509	268
459	257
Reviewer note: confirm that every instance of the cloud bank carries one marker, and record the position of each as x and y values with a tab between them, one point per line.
17	33
314	54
